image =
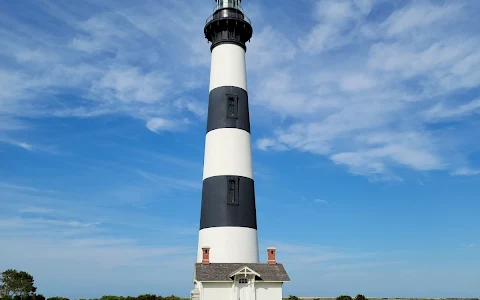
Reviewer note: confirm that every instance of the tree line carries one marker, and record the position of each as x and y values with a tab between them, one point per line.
342	297
19	285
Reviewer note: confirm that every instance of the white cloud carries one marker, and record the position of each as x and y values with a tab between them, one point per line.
320	201
23	145
112	60
338	23
51	149
161	124
396	74
418	15
439	111
269	47
369	109
357	82
266	143
465	172
375	161
16	143
195	107
128	84
433	59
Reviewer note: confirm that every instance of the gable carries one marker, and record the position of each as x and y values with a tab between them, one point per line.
243	271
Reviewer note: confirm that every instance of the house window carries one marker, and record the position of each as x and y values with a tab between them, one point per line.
243	280
232	190
232	107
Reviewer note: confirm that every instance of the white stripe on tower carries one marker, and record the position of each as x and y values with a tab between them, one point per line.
228	67
221	146
228	223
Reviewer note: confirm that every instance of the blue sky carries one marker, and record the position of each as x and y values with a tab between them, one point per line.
365	118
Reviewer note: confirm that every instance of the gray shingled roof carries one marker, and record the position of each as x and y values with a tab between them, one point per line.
220	272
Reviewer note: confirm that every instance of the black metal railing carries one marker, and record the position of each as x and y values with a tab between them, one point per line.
228	14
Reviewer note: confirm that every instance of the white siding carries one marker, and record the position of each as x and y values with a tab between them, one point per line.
228	67
228	152
229	244
224	291
268	290
217	291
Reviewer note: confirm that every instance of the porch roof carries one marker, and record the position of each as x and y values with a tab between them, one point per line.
223	271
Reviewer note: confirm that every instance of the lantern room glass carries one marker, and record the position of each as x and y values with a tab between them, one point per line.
228	3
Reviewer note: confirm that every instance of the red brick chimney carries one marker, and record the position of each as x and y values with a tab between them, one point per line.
271	256
206	255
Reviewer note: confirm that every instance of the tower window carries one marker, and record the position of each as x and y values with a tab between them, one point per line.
232	107
232	190
243	280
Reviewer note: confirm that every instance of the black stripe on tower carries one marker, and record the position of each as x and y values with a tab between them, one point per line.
228	201
228	108
228	25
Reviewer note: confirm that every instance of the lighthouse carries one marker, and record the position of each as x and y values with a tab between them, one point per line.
227	264
228	221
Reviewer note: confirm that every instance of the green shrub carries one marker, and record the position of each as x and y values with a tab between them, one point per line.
110	297
171	297
344	297
291	297
360	297
58	298
147	297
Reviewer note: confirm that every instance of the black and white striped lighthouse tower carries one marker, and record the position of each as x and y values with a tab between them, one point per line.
228	221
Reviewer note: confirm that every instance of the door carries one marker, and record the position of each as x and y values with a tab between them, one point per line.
243	289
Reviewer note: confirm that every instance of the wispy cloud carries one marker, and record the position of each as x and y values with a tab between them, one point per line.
10	124
298	256
320	201
371	110
36	210
31	147
89	236
465	172
12	186
16	143
107	63
160	124
401	77
34	223
440	111
171	182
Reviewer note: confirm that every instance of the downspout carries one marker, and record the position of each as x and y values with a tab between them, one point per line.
254	292
200	288
234	292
